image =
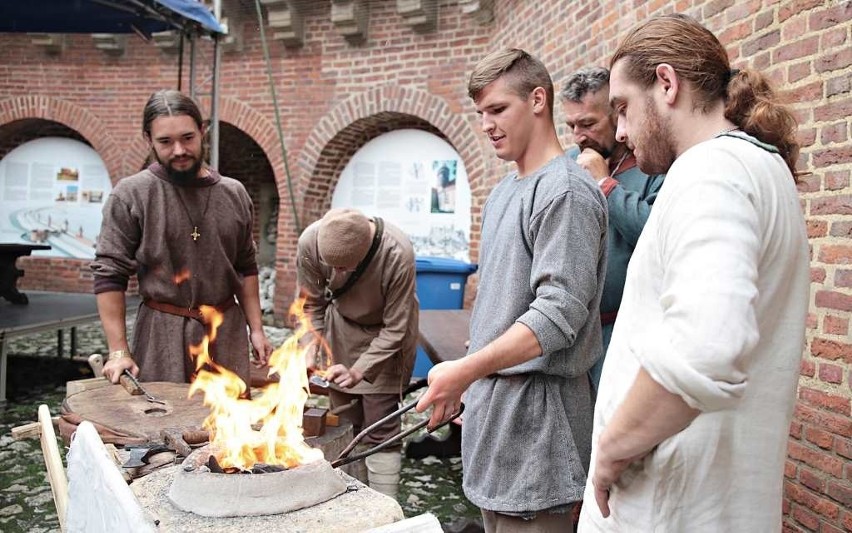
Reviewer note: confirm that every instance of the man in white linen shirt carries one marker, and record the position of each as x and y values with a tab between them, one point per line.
699	384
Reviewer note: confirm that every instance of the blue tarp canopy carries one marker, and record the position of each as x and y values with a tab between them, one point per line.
105	16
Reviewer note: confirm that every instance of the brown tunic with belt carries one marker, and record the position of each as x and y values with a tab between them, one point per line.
147	229
373	326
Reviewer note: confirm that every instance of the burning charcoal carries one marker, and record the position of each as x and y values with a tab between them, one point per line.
232	470
213	465
261	468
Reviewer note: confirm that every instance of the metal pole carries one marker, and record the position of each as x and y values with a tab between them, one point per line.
214	104
192	66
180	61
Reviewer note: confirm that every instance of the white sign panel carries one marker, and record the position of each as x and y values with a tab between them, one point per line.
417	181
52	191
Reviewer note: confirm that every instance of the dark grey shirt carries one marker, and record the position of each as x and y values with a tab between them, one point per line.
527	431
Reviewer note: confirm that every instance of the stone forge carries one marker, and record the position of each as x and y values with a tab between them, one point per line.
197	490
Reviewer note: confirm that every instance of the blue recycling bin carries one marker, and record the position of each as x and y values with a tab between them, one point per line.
440	285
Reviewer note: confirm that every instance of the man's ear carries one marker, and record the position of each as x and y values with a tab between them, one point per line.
667	82
539	98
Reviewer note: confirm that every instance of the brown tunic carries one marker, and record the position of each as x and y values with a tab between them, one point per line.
373	326
147	230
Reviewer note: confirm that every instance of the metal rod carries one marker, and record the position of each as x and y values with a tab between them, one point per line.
192	66
214	103
180	62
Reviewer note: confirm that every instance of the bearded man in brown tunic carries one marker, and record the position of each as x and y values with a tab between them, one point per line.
186	232
358	276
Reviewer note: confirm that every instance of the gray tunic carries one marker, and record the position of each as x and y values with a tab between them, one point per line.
147	231
526	437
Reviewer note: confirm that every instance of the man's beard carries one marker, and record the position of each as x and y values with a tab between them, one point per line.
180	176
654	143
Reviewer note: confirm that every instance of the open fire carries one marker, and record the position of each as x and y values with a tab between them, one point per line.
266	430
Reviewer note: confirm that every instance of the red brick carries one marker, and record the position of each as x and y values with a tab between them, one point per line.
840	492
823	439
839	254
830	111
835	325
817	228
817	274
807	368
834	133
843	278
816	398
836	180
828	528
830	373
811	480
838	15
796	429
834	299
816	458
837	424
796	50
806	518
843	447
790	469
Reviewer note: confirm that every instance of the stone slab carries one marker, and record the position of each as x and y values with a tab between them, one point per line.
358	510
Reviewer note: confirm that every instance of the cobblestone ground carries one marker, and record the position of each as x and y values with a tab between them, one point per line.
37	377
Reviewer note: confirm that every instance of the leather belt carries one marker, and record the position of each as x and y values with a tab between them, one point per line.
608	318
188	312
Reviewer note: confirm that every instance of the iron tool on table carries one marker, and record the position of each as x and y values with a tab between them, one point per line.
148	396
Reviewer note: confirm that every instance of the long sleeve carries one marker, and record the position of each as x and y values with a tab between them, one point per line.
629	210
311	282
567	247
710	243
118	240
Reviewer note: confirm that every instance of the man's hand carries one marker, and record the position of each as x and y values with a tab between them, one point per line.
343	377
607	473
115	368
261	347
594	163
447	383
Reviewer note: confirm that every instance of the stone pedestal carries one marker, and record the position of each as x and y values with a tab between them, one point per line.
357	510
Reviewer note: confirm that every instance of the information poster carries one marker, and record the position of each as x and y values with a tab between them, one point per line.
417	181
52	191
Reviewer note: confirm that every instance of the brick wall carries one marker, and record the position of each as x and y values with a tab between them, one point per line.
334	97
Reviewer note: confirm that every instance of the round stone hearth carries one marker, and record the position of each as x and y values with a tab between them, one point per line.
197	490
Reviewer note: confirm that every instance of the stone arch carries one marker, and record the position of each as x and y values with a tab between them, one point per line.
78	118
364	116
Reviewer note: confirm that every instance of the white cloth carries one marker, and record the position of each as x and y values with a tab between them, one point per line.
714	310
99	499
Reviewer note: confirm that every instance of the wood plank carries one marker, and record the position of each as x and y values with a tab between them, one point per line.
444	332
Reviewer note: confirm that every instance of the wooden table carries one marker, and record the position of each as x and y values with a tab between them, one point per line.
9	274
443	334
47	311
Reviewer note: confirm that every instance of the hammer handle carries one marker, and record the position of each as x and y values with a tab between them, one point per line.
130	386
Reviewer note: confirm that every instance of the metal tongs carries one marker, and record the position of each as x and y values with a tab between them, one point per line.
135	382
344	458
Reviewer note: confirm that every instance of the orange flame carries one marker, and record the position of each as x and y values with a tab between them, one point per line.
267	429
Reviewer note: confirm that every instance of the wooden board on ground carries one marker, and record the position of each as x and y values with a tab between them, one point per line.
113	407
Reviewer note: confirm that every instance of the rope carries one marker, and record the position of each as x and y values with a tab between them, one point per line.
277	117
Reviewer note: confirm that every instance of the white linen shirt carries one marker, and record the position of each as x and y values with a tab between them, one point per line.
714	310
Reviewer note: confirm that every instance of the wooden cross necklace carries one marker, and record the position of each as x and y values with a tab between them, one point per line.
195	235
